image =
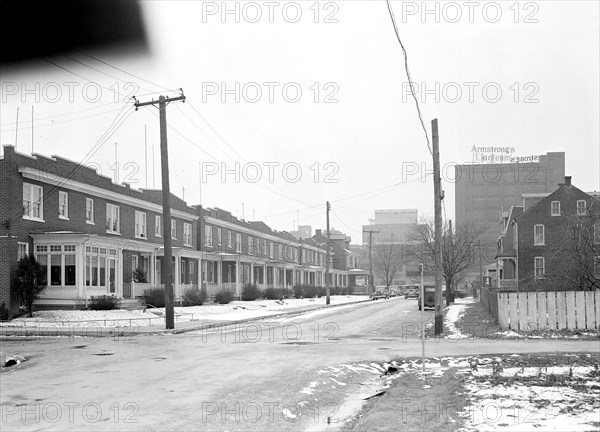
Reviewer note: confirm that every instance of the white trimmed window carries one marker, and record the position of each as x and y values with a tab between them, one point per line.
208	238
271	247
173	229
113	219
538	236
581	208
229	239
63	205
157	226
539	267
58	264
264	248
219	236
555	208
250	245
187	234
140	225
22	250
238	242
89	210
33	205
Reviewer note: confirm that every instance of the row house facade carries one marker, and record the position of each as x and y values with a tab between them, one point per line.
95	237
550	239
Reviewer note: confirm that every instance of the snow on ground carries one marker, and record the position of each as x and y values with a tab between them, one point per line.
455	311
236	310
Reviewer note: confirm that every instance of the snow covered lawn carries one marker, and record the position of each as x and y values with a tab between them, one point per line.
236	310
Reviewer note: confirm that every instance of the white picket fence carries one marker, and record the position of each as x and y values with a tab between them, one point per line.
562	310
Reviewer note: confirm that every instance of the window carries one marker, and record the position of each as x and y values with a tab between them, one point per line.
33	206
538	237
279	254
271	247
264	248
219	236
22	250
208	236
140	224
187	234
61	270
229	239
89	210
238	242
63	205
173	229
157	226
113	219
581	208
539	267
250	245
555	208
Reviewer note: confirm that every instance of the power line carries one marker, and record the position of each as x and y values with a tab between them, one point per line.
410	82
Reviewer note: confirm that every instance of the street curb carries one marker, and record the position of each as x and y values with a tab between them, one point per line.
92	332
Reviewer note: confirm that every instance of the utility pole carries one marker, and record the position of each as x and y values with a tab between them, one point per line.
450	289
371	231
437	191
422	319
166	195
327	287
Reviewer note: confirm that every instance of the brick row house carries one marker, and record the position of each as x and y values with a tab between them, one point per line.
95	237
551	241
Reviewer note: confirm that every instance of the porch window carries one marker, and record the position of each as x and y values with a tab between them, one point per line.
238	243
539	267
62	270
538	238
55	265
555	208
581	208
33	203
113	219
89	210
187	234
63	205
140	224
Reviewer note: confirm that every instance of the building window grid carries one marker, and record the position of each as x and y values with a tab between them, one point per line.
22	250
250	245
89	210
229	239
140	225
59	264
539	237
581	208
555	208
187	234
539	264
63	205
113	219
173	229
238	243
157	226
33	202
208	238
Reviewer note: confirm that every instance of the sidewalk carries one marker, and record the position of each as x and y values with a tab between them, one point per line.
129	329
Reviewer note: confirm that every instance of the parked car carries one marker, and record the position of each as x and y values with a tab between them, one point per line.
429	297
410	291
380	291
394	290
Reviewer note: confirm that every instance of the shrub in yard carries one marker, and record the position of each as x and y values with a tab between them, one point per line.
223	297
271	294
310	291
3	312
103	302
298	291
251	292
321	292
29	280
193	297
286	293
155	296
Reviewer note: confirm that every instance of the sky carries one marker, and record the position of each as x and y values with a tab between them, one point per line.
292	104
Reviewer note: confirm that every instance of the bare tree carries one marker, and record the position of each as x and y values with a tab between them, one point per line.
388	258
575	258
458	249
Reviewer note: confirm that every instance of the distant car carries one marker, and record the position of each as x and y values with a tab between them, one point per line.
410	291
381	291
394	290
429	297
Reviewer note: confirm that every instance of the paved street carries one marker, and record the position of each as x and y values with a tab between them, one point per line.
262	375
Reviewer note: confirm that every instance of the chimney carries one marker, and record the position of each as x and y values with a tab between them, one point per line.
318	232
567	180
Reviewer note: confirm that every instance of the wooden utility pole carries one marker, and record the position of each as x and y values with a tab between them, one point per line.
450	289
371	231
166	195
437	191
327	284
